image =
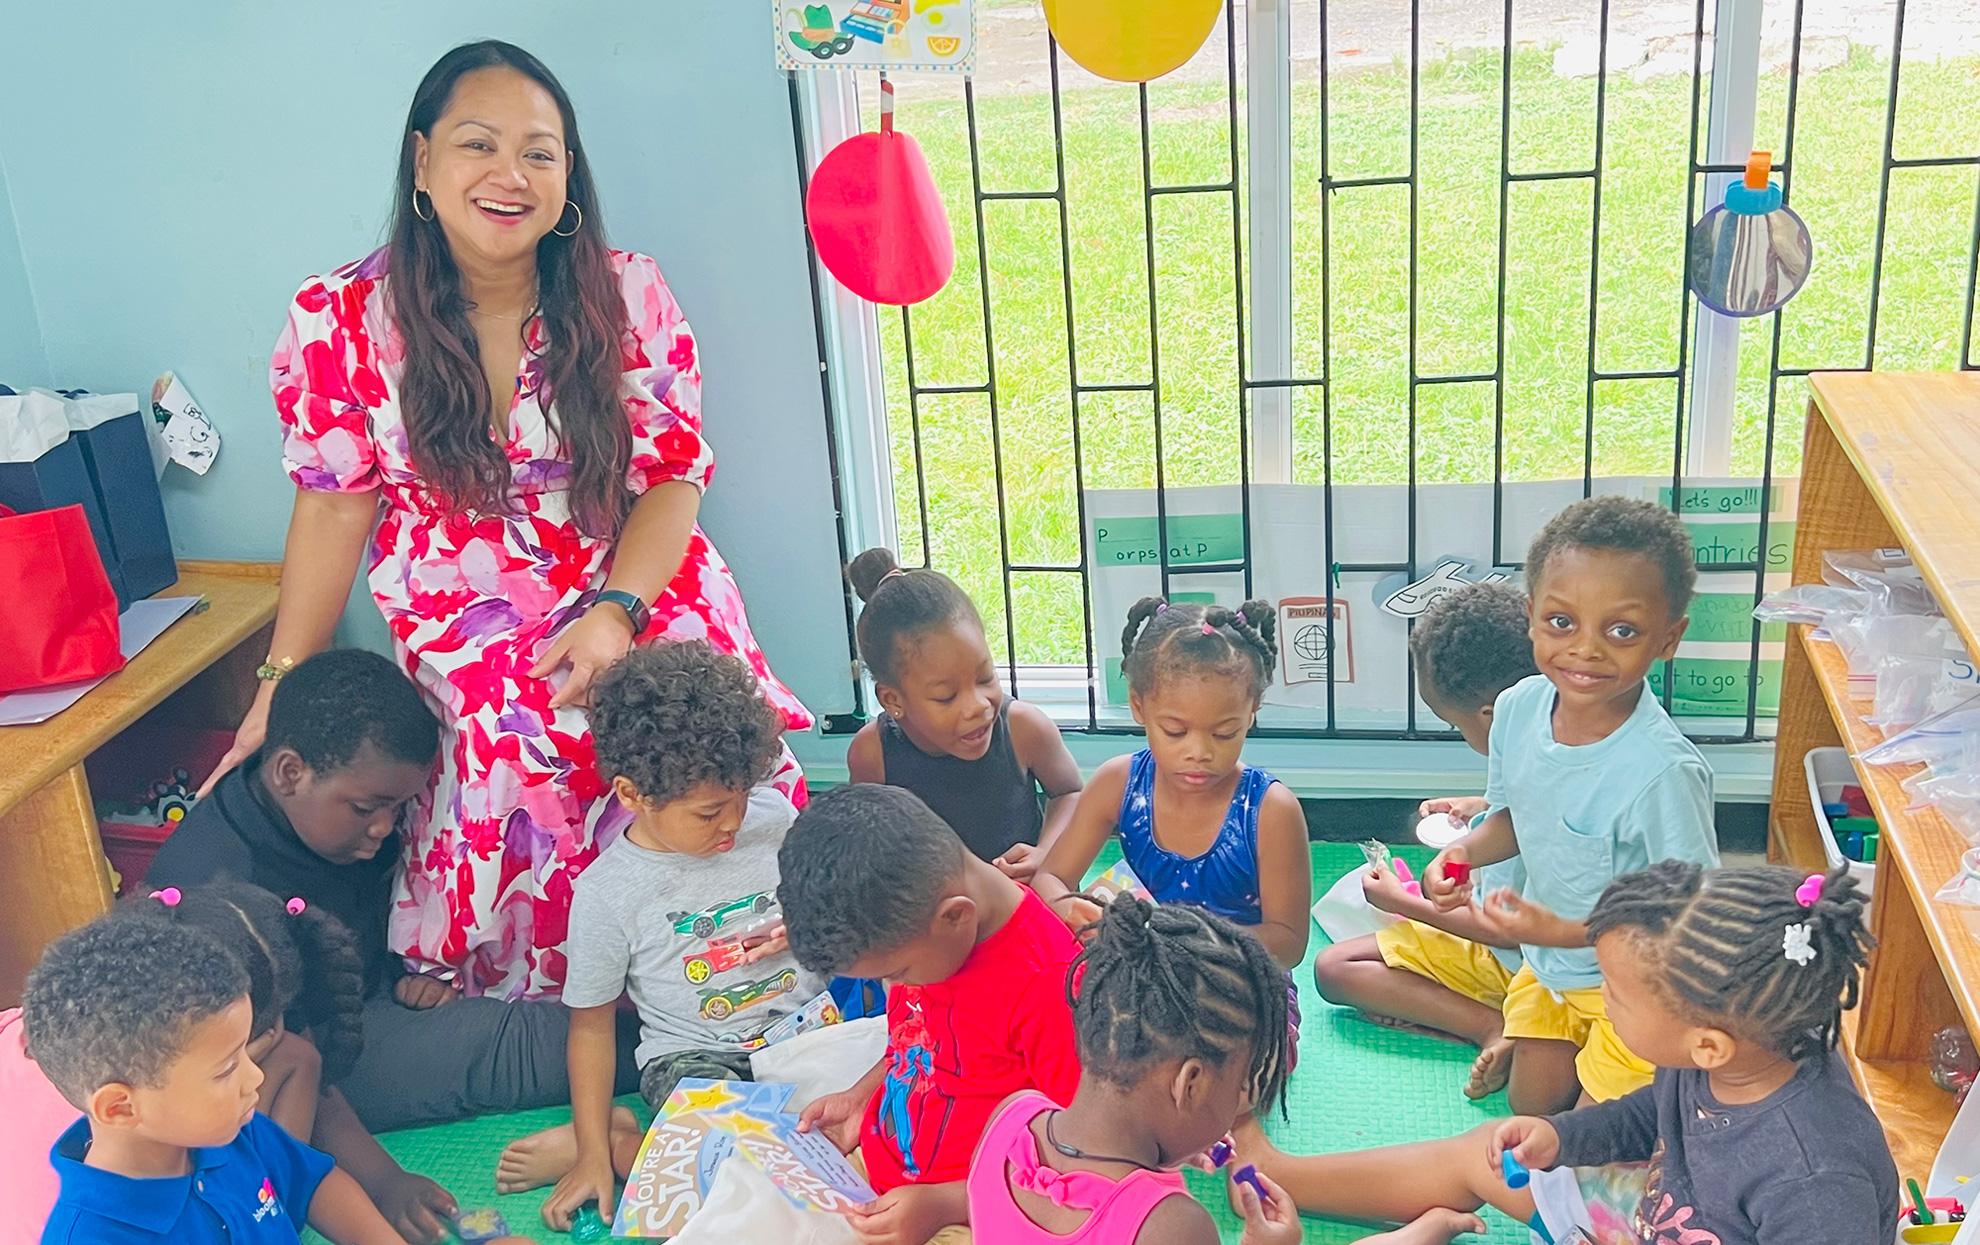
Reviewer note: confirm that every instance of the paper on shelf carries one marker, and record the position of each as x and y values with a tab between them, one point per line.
142	623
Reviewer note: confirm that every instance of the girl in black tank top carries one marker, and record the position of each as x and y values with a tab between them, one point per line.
995	770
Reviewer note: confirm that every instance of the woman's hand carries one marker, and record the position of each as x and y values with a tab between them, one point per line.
247	740
421	991
590	645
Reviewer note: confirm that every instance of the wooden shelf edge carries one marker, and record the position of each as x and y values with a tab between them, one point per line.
1915	1112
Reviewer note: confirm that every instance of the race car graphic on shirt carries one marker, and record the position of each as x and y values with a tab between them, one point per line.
704	923
721	1004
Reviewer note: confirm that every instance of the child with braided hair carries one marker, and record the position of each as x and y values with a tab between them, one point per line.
1197	825
1733	983
1181	1025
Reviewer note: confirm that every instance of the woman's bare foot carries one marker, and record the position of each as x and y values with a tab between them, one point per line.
1432	1227
544	1158
1492	1069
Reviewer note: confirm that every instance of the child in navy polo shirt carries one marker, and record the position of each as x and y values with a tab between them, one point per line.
143	1026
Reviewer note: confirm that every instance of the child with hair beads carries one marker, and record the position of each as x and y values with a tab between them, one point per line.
1447	970
948	734
1588	778
1181	1023
675	912
266	936
1733	982
144	1025
1197	825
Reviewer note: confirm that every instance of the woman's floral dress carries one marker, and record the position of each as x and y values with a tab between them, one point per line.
473	601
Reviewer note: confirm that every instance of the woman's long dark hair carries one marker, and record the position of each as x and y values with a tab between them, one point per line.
444	392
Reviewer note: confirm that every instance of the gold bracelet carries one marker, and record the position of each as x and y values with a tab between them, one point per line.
272	670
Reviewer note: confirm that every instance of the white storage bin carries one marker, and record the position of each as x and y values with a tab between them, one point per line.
1829	771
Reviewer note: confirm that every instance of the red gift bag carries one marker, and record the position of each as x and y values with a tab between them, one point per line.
58	616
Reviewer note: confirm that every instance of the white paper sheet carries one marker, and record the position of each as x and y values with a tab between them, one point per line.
142	623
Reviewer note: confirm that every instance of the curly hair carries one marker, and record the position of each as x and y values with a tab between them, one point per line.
332	705
306	961
1473	643
900	607
669	717
1163	981
115	1002
1626	526
862	870
1714	941
1163	640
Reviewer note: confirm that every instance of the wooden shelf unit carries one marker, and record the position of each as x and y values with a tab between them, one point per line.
1889	459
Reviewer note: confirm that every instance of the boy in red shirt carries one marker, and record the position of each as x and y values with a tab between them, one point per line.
876	885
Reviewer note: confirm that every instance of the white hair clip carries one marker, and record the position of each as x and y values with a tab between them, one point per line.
1796	944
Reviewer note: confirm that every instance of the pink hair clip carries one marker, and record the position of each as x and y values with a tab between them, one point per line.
296	906
1163	608
169	896
1809	891
1208	629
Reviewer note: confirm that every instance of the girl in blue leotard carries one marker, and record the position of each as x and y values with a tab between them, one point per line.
1197	825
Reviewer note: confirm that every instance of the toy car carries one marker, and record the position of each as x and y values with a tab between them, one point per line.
704	923
719	956
721	1004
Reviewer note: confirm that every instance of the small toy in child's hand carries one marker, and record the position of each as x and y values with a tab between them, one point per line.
588	1225
1458	872
1248	1174
1409	884
475	1226
1221	1153
1376	851
1517	1177
1440	830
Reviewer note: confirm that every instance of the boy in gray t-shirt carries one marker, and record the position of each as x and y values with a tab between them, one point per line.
680	910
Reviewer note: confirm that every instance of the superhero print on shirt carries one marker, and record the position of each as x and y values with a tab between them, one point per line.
912	1114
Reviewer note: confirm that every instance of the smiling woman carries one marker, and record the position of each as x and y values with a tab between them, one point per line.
505	414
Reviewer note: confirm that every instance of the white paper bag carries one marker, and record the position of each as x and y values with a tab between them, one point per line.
743	1207
31	424
1344	911
823	1061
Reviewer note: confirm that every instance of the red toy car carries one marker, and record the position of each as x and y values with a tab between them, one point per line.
719	956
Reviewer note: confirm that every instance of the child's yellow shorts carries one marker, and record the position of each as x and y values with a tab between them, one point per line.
1607	1068
1458	964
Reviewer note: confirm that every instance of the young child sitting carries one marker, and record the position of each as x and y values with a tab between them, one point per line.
1588	778
874	885
948	734
1181	1023
1447	971
1733	981
265	936
675	910
314	815
1197	825
144	1026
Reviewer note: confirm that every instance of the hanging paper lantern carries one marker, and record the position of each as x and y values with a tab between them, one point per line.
876	218
1131	40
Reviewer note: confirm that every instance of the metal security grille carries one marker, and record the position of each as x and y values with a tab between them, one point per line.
969	502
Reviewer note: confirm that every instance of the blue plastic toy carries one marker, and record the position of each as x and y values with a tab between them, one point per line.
476	1226
1517	1177
1248	1174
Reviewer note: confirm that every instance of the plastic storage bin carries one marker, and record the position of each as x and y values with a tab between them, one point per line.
1829	771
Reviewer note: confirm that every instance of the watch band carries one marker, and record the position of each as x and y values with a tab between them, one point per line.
635	609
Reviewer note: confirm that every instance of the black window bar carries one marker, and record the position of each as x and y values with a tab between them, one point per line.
1230	186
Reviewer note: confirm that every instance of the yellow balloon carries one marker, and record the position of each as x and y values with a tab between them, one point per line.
1131	40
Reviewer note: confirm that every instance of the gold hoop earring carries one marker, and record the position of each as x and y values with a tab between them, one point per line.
574	228
417	192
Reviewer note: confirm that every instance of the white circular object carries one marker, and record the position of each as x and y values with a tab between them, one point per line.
1440	830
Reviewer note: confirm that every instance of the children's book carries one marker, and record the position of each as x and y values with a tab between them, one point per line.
1116	881
705	1124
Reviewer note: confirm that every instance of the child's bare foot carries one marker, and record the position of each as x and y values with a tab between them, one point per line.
1491	1070
1407	1026
544	1158
1432	1227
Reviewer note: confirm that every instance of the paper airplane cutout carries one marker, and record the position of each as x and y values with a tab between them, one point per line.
1412	599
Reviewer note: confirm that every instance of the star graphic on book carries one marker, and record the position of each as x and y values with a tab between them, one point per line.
709	1099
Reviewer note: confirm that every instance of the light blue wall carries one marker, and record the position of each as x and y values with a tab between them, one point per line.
22	359
169	202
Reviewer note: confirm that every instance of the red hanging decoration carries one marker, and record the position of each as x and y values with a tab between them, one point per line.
876	217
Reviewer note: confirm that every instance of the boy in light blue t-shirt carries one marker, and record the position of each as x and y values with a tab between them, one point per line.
1591	780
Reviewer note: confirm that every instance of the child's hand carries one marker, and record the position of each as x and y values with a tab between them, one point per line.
1462	807
417	1207
1509	915
589	1181
1273	1221
775	942
1532	1140
910	1214
1076	910
1449	896
838	1116
1020	862
1384	889
420	991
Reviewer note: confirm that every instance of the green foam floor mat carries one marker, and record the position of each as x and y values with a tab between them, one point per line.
1359	1085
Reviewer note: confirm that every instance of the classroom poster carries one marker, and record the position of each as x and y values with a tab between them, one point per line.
918	36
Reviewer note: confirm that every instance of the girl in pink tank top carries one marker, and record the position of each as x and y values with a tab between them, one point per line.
1181	1019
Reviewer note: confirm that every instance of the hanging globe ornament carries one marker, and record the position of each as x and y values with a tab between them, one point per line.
876	217
1751	255
1131	40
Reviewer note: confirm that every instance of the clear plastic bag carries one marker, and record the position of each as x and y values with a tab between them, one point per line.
1908	656
1814	604
1935	739
1894	584
1963	887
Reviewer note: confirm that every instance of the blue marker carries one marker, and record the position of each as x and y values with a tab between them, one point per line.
1517	1177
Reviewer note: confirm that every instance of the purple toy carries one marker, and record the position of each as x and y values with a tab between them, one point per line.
1248	1174
1221	1153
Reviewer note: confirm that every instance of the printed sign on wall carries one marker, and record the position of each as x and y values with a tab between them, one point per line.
937	36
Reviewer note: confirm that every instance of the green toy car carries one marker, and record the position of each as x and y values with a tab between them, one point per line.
704	923
721	1004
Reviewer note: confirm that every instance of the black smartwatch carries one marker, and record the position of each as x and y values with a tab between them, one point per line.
635	609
